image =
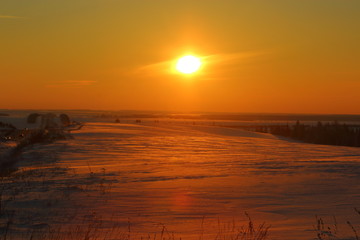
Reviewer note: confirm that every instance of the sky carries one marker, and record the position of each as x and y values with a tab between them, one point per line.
281	56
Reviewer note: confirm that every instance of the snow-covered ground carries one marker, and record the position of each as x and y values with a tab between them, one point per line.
186	177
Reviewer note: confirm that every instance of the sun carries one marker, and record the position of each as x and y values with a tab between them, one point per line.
188	64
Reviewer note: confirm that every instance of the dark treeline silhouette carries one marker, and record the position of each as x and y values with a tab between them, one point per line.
321	133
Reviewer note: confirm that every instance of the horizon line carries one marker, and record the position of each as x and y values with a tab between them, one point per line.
177	112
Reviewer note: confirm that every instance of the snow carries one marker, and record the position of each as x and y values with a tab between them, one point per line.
176	174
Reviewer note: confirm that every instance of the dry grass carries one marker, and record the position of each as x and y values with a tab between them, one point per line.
94	230
332	232
249	231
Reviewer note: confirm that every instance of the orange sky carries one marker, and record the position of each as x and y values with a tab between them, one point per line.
299	56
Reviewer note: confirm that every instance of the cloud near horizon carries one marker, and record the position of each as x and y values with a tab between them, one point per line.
167	67
10	17
71	83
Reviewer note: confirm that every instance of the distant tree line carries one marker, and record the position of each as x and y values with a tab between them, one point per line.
320	133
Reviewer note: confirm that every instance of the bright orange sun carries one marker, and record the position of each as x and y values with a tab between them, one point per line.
188	64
